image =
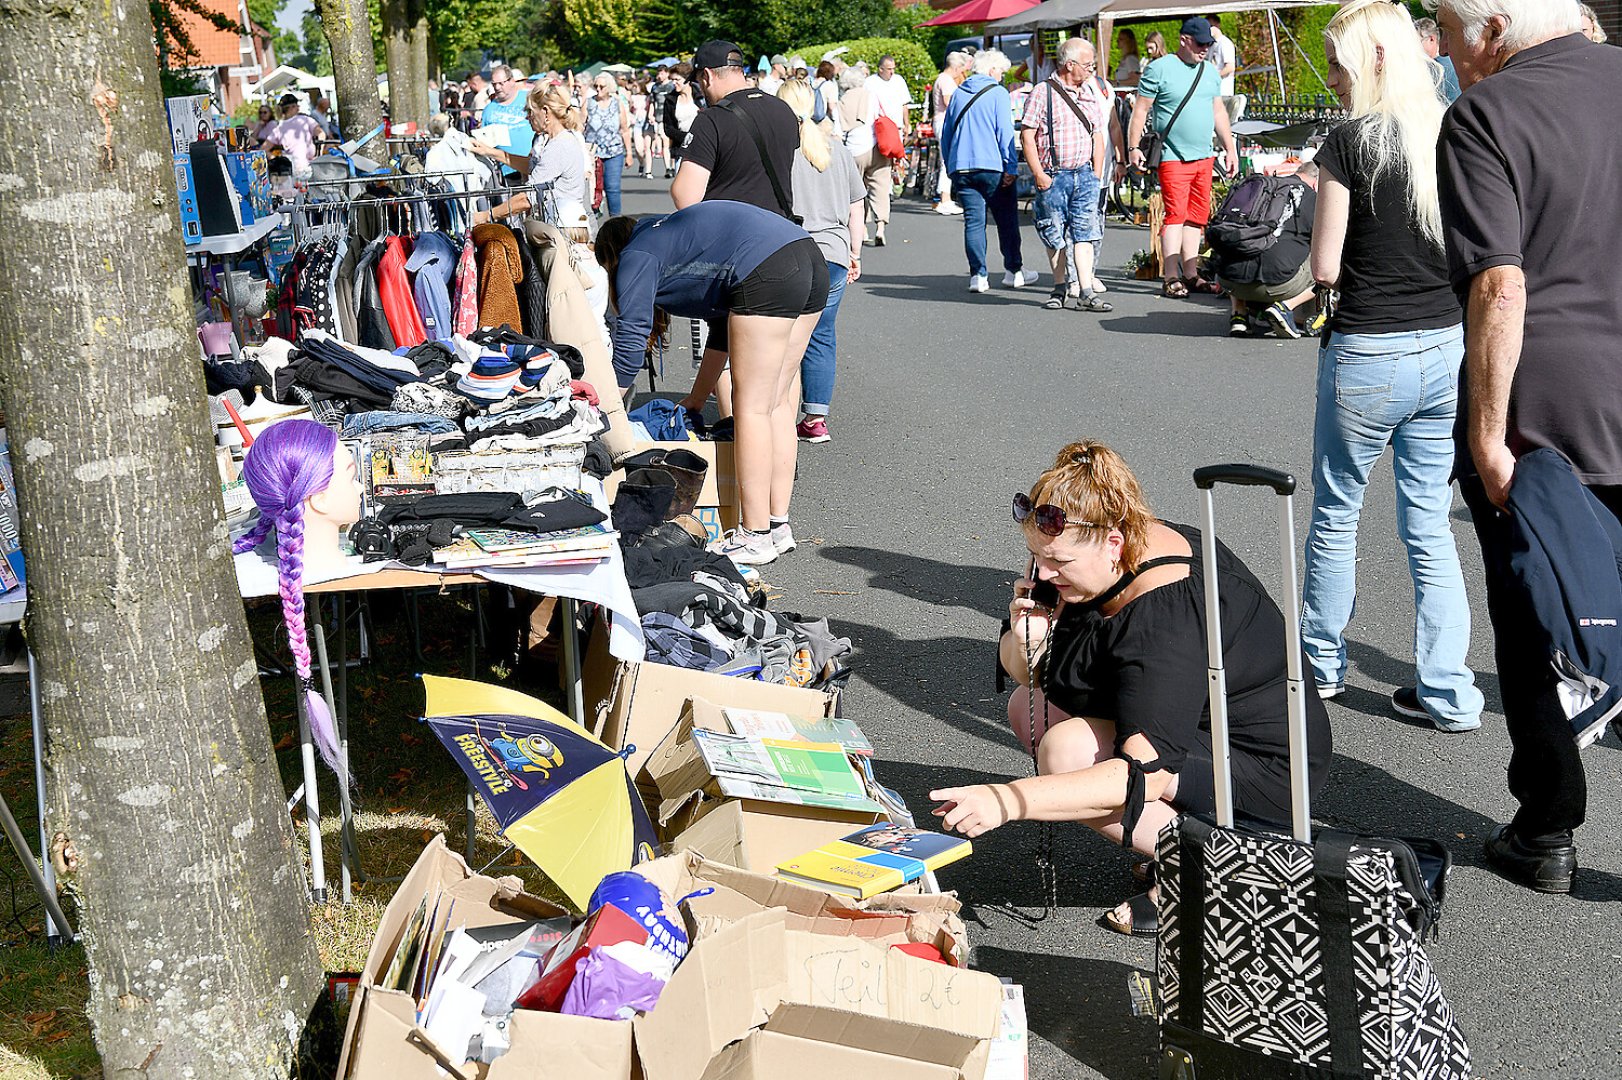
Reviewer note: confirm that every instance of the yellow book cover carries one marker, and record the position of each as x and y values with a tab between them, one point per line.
842	874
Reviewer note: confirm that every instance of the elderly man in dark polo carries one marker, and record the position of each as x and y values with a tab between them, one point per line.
1531	194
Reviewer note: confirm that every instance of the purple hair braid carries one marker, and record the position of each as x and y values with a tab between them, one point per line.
251	539
287	464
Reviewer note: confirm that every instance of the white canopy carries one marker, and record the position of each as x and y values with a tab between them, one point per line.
286	78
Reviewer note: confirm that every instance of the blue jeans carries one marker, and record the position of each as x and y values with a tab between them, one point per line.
979	190
612	168
1399	389
817	367
1067	212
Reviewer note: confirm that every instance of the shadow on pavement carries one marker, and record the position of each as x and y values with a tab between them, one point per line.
1399	672
1081	1006
949	678
1205	321
984	589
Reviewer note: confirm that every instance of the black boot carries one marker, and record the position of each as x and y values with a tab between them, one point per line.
689	470
642	502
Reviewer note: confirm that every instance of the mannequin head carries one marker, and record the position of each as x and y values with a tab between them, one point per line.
303	481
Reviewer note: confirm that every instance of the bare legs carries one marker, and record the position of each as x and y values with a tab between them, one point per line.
766	355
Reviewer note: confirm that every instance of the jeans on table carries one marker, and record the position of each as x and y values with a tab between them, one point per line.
817	367
613	168
980	190
1374	390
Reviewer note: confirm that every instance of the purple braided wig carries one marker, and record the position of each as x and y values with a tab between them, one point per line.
288	463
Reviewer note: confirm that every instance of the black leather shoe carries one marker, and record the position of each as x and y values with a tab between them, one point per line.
1546	869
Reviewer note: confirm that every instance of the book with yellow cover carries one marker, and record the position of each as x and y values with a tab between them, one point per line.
874	859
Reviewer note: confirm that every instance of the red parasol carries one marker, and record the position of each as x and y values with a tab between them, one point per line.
979	11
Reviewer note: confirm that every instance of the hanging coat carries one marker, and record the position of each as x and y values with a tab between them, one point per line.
501	268
398	304
465	316
532	289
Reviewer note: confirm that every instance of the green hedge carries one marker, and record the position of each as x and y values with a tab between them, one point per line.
1248	30
912	60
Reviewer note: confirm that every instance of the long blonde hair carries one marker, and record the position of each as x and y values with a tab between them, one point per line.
1396	92
813	140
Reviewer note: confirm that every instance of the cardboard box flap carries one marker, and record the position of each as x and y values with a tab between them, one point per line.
859	976
577	1047
727	985
757	835
769	1055
876	1034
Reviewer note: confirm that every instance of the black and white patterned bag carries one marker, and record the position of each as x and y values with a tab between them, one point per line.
1294	956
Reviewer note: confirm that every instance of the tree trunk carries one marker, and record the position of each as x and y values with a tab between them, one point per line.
165	794
419	36
405	88
354	68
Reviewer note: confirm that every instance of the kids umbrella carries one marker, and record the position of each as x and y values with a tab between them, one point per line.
558	794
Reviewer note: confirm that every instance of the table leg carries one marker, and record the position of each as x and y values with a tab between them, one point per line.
312	800
322	658
571	661
56	927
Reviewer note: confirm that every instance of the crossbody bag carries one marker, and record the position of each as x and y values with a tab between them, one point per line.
1053	89
1153	144
753	129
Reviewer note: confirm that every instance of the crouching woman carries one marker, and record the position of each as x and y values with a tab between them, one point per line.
1111	667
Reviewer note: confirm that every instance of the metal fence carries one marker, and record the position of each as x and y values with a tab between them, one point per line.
1293	108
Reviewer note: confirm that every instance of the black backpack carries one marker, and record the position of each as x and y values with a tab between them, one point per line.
1254	215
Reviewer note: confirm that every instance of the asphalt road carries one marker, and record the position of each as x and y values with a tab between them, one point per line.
946	404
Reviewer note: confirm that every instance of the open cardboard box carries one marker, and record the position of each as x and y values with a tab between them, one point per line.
758	973
646	701
717	506
383	1041
751	833
735	894
771	1055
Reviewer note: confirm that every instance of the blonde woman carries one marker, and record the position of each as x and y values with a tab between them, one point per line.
560	160
828	196
1388	372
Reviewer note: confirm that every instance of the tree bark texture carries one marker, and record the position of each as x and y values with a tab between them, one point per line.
163	783
419	37
354	68
405	44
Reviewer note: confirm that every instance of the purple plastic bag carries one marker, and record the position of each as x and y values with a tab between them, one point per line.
607	989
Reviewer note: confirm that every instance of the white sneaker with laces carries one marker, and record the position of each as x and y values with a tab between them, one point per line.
979	283
1016	279
948	208
783	539
746	548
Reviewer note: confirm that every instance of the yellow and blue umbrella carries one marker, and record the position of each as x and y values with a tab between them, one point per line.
560	795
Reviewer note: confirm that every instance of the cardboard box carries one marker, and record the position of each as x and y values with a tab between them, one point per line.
190	118
758	973
717	505
381	1042
250	175
735	894
647	700
754	835
769	1055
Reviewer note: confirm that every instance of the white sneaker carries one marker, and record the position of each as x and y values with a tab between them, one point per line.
746	549
1015	279
979	283
783	539
948	208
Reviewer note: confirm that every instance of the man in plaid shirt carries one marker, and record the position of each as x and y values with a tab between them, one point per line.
1063	139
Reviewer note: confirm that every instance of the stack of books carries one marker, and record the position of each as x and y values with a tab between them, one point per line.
514	548
875	859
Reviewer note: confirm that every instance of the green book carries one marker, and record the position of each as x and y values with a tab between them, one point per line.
777	770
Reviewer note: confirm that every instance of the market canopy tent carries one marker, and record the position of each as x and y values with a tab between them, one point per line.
979	11
1052	15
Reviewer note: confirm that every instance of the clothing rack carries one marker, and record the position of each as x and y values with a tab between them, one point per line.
390	200
381	178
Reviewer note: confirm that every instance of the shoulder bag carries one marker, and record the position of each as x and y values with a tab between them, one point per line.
753	129
1056	90
1153	144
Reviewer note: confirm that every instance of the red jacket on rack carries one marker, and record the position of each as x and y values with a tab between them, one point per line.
399	306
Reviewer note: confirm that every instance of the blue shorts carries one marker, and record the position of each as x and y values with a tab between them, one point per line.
1067	212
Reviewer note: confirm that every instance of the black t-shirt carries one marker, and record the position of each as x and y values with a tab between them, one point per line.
1530	168
1391	278
720	143
1144	670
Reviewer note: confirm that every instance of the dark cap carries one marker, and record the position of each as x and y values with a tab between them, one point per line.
1198	29
718	54
288	99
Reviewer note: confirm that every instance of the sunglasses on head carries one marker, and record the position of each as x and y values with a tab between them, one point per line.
1049	519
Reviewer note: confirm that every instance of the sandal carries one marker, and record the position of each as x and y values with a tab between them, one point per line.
1197	284
1174	290
1145	919
1144	873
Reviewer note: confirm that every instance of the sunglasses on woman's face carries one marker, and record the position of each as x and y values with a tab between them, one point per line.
1049	519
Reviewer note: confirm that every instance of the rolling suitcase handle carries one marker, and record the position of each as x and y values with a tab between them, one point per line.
1283	484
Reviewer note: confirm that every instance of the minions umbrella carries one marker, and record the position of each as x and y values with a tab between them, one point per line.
562	797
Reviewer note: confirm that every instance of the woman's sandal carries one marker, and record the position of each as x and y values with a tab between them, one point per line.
1144	872
1174	290
1197	284
1145	920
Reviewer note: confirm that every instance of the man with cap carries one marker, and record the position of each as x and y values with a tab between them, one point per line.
296	134
1183	87
773	79
722	159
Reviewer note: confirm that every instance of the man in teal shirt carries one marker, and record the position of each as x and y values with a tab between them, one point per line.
507	110
1185	94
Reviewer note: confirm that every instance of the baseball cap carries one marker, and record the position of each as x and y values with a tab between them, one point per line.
717	54
780	59
1198	29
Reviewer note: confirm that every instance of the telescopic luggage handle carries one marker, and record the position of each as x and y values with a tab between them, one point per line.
1206	479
